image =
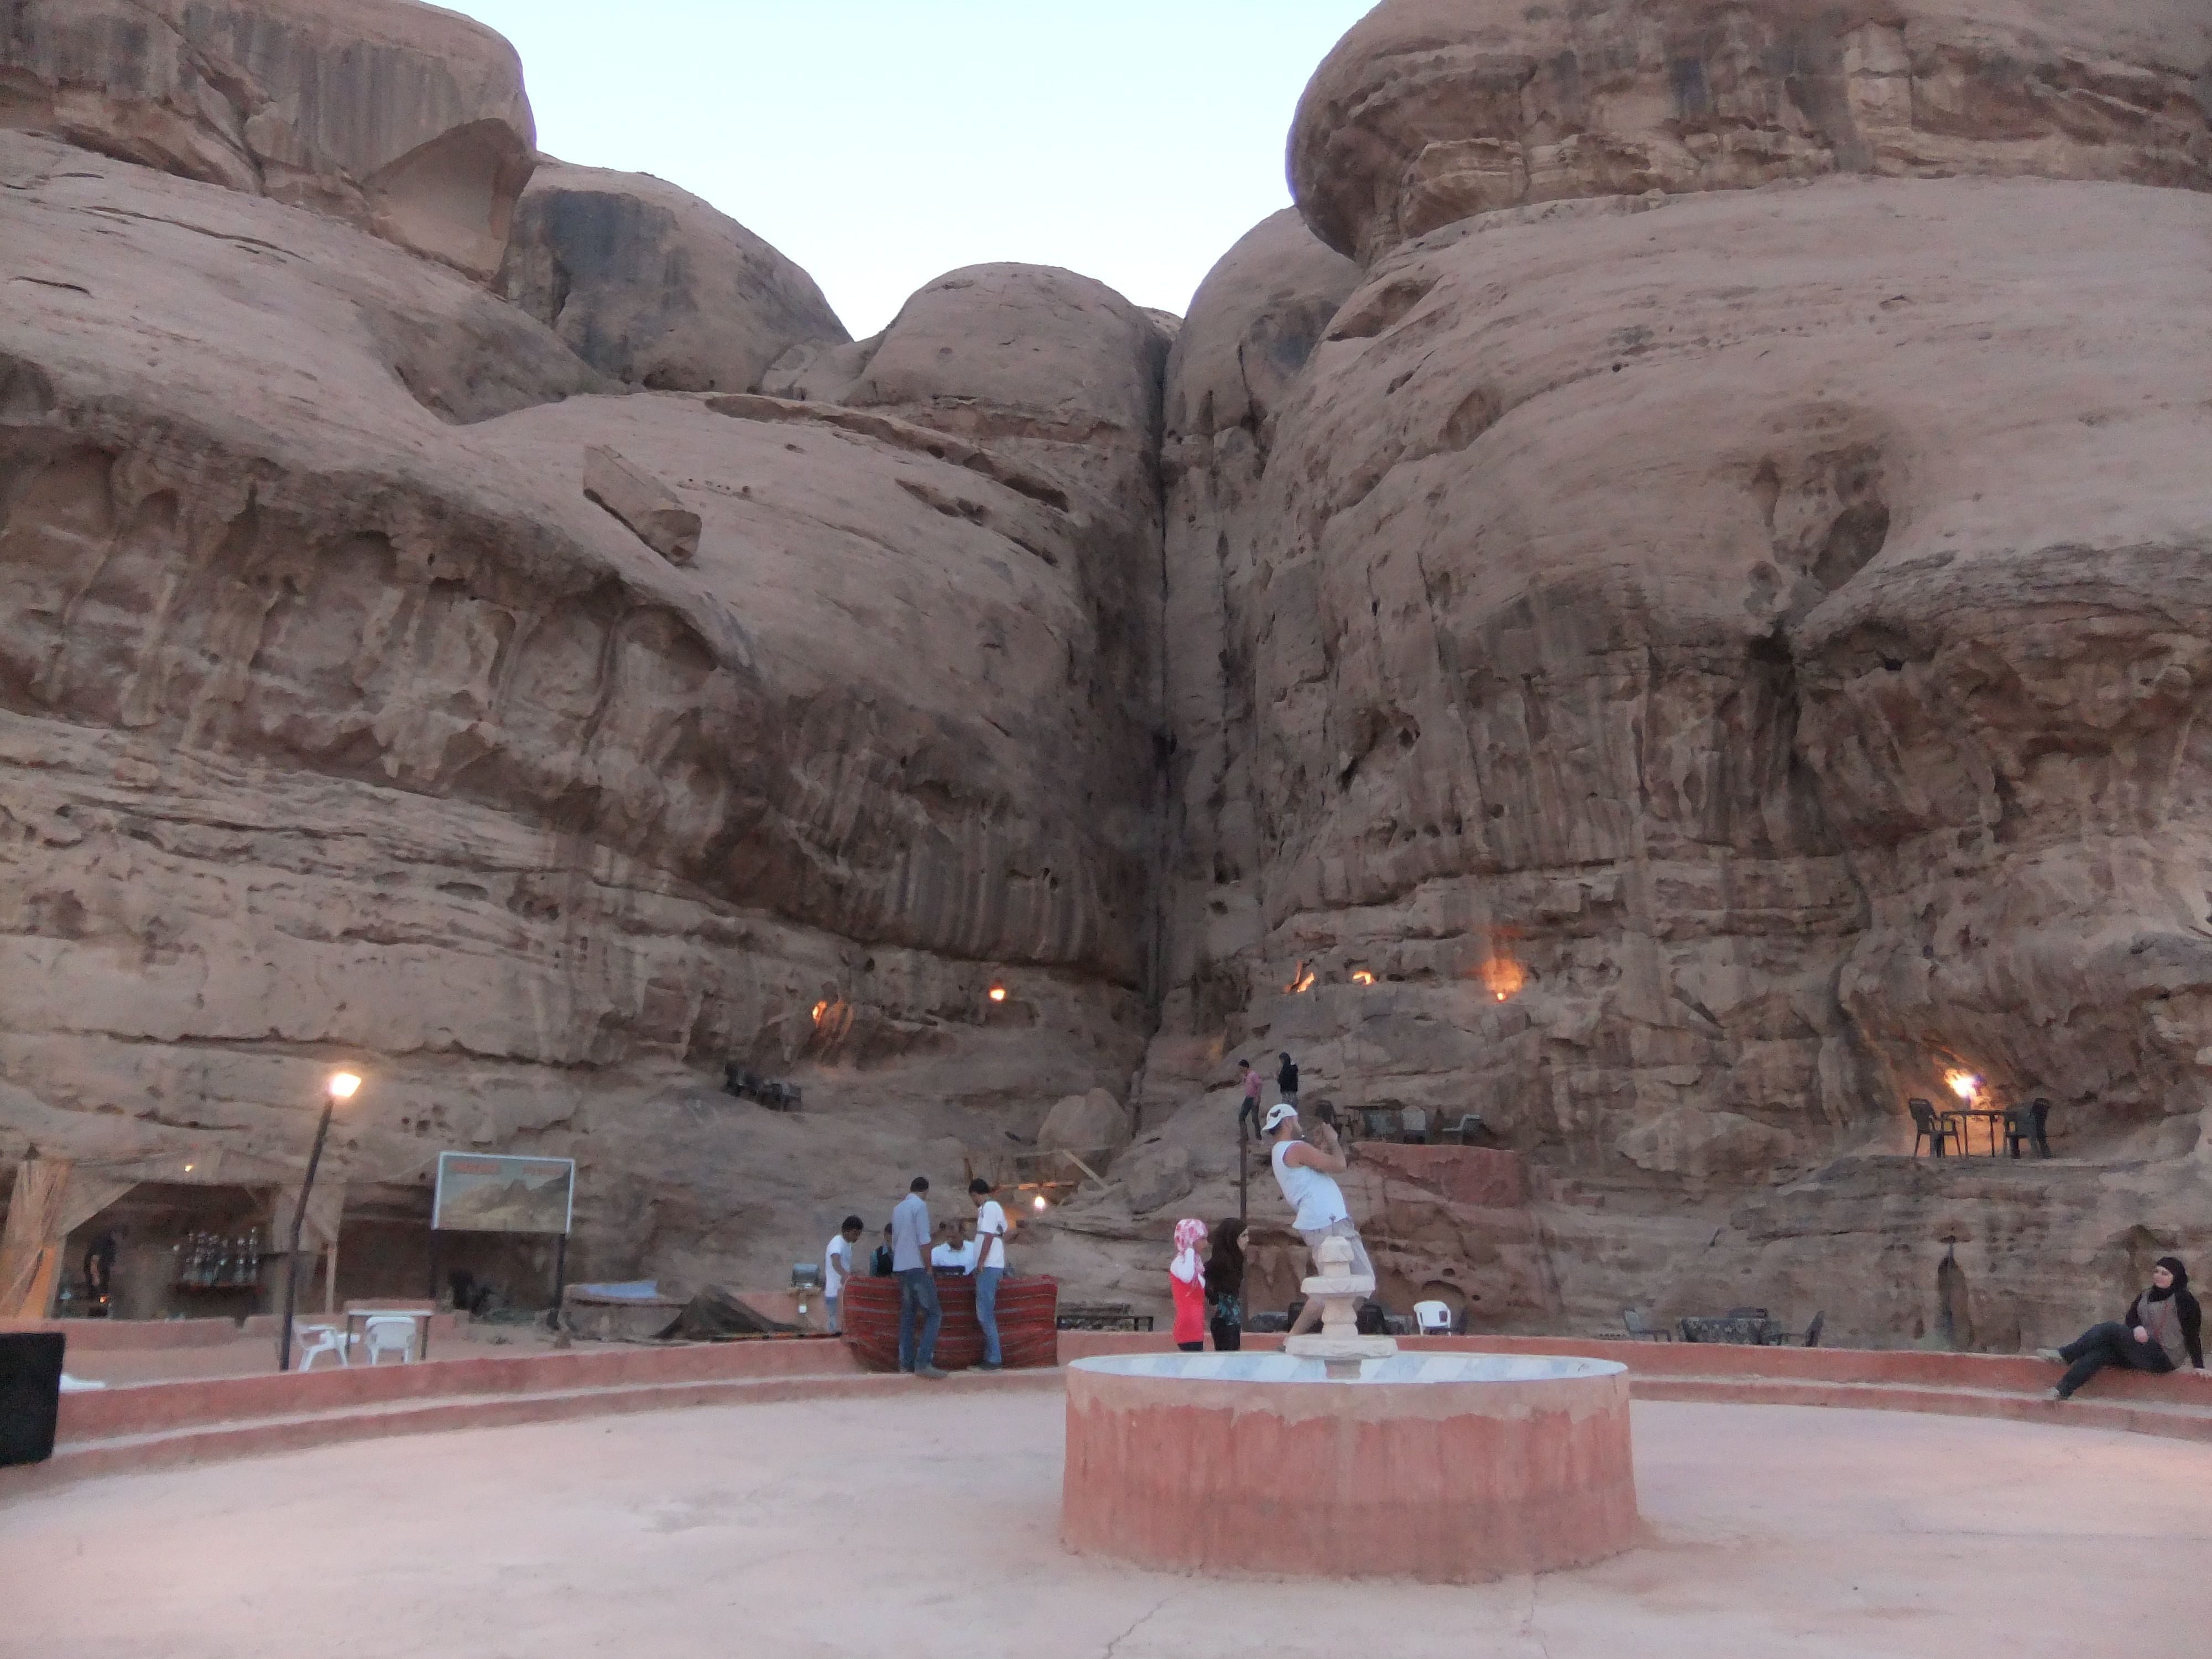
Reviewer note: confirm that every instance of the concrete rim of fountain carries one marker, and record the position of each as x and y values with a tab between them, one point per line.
1401	1368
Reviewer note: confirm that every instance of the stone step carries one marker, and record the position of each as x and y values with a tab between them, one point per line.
2174	1419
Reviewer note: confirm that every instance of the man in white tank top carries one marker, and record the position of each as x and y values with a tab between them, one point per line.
1305	1170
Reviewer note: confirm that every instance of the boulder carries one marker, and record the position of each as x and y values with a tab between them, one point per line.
1051	370
1429	111
1084	1123
1154	1175
650	285
404	119
642	502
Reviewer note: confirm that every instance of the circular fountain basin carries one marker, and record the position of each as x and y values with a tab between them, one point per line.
1454	1467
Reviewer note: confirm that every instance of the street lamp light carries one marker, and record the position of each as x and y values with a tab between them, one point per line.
340	1086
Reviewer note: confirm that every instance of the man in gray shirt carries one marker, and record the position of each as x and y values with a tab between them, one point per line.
917	1286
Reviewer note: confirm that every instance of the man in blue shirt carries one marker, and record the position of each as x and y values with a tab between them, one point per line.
917	1286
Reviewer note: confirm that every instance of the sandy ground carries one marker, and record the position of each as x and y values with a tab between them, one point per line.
926	1527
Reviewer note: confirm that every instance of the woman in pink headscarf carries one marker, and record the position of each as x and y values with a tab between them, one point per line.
1186	1278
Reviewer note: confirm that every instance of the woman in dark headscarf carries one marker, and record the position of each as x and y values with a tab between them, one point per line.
2164	1326
1225	1285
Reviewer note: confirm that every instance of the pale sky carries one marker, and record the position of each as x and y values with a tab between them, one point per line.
881	143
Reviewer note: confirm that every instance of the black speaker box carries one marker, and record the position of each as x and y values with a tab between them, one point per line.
30	1394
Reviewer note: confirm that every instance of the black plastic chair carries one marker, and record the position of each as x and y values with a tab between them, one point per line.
1813	1330
1929	1127
1632	1321
2026	1123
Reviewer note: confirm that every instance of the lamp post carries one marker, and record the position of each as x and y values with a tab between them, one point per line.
341	1086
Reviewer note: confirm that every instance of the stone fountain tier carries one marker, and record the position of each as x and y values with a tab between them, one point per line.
1453	1468
1338	1291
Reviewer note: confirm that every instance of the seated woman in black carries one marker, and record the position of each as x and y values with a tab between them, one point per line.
2164	1326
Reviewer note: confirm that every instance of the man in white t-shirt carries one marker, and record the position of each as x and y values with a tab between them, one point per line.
837	1267
990	1265
1306	1171
954	1251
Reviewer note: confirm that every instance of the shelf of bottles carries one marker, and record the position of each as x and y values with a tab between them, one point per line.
212	1262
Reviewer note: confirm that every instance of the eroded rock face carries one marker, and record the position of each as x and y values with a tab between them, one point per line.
404	119
1429	111
650	285
1611	649
1252	325
337	728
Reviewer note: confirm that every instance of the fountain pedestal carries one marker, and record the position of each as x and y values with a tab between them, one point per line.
1338	1344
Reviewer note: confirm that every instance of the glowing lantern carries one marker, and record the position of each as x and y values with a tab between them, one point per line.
1040	1201
1362	976
998	994
1964	1084
820	1009
1502	976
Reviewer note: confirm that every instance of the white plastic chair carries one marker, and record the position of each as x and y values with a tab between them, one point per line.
1433	1318
389	1333
319	1339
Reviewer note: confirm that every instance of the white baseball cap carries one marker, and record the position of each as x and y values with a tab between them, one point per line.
1276	1115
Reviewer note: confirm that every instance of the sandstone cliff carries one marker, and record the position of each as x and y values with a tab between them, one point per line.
341	724
1722	644
1660	607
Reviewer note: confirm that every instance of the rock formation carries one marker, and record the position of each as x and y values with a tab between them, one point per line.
340	725
649	284
405	120
1660	606
1724	647
1430	112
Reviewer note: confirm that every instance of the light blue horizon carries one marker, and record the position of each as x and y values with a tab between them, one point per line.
880	143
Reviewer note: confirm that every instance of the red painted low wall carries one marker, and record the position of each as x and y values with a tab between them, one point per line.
126	1336
148	1408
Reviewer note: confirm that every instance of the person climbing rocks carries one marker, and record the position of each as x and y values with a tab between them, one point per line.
1303	1170
2164	1326
1187	1283
1286	1080
1247	1110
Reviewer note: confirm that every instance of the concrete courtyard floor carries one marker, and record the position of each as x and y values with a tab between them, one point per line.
926	1526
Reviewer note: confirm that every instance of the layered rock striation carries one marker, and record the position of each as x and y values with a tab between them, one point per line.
1431	110
342	724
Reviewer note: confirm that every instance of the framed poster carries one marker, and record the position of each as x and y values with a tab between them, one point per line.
494	1192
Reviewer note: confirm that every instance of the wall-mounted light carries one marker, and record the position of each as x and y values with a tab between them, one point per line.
998	994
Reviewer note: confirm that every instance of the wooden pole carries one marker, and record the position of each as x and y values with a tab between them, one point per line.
292	1256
